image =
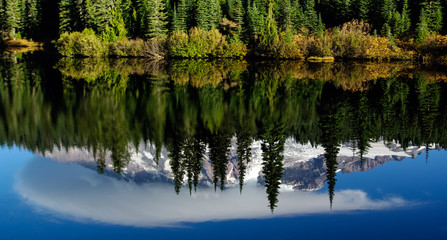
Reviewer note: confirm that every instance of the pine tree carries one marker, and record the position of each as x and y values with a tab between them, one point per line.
310	15
66	8
269	33
157	20
236	13
2	16
359	9
116	29
143	11
208	14
31	15
255	21
13	18
405	20
433	15
179	17
129	15
272	146
422	29
283	13
297	16
182	15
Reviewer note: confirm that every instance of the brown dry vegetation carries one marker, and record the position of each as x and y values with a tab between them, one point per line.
20	45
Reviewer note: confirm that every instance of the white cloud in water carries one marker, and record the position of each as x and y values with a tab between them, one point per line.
79	193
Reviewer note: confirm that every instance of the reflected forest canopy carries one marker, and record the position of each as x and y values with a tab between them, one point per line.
194	107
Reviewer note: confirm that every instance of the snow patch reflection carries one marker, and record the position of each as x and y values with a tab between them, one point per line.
72	191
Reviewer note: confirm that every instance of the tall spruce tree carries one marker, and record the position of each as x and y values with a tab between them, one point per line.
157	20
208	14
255	21
13	18
31	15
310	15
359	9
66	11
2	16
297	16
433	15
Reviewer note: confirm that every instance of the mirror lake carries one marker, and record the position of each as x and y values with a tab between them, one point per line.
221	148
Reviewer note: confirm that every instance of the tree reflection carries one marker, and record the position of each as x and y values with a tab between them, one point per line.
200	111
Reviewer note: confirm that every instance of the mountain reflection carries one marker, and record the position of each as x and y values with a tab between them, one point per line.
202	120
74	192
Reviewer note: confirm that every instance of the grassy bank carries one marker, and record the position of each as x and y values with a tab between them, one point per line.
20	45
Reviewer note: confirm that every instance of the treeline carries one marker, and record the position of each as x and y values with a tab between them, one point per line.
269	28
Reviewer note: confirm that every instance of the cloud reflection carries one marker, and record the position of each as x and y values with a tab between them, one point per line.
79	193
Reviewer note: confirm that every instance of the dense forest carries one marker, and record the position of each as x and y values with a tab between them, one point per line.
227	28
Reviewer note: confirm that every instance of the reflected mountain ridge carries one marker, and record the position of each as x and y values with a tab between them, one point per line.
203	120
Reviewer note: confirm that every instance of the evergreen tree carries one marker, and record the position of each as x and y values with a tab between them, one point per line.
13	18
255	21
116	29
236	13
310	15
182	16
269	33
422	29
219	145
129	15
272	146
244	141
297	16
208	14
31	17
359	9
405	21
157	20
2	17
433	15
65	12
283	13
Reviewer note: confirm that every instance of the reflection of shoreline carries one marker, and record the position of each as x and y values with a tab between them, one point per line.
77	193
305	167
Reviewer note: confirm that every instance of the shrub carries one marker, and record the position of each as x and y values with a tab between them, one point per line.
199	43
85	44
154	48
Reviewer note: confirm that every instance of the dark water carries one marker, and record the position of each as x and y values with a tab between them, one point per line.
99	148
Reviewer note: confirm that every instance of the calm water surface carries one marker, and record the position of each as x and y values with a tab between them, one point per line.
190	149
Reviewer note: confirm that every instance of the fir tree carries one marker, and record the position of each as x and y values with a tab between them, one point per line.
66	8
182	16
433	15
2	16
13	18
359	9
255	21
310	15
272	146
269	33
283	11
236	13
208	14
31	17
157	20
422	29
405	21
129	15
297	16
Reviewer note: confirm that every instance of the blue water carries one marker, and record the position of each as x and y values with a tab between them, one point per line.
415	182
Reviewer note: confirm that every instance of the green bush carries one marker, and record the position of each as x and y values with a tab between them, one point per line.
199	43
82	44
